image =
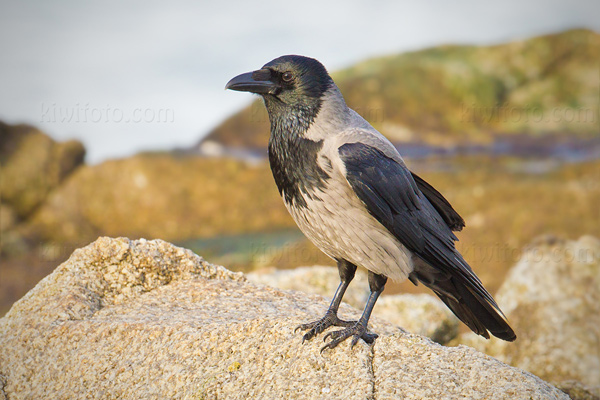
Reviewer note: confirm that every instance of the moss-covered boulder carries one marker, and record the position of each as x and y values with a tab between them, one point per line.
447	95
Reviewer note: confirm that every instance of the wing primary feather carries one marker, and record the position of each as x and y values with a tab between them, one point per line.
439	202
423	221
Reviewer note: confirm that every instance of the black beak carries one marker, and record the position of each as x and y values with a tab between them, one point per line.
258	82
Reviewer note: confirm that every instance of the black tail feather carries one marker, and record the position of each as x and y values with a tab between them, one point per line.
478	315
471	308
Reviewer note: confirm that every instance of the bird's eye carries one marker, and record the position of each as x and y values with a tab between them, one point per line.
287	76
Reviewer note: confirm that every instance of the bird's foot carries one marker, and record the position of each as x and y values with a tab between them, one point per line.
357	331
316	327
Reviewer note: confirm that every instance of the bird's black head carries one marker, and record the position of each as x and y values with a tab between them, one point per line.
293	88
292	81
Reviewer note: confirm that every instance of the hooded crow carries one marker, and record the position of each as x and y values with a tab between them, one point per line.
351	194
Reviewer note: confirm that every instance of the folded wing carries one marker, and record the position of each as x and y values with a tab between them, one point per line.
423	220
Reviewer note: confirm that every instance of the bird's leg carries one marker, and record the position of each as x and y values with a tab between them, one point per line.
359	329
347	271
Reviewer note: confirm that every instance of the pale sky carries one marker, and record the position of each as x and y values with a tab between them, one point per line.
124	76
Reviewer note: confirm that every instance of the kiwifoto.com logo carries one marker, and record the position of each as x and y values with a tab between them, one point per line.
88	113
510	113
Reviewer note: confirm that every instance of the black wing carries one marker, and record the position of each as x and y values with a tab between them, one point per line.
441	205
391	194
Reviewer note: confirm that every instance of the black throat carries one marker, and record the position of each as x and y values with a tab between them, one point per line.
293	158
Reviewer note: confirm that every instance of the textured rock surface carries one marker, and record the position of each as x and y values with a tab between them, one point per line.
316	280
145	319
420	314
552	299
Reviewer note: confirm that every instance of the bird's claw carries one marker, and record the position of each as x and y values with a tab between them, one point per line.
316	327
357	331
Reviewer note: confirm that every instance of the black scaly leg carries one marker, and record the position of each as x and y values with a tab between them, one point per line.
359	329
346	271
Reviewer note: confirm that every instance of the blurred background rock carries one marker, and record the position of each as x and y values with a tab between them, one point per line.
508	133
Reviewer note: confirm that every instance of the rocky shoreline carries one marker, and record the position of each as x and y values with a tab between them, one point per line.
145	319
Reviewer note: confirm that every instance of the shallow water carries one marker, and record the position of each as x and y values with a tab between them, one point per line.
242	251
540	153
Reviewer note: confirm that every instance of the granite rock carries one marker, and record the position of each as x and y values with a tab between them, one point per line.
320	280
422	314
552	299
126	319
